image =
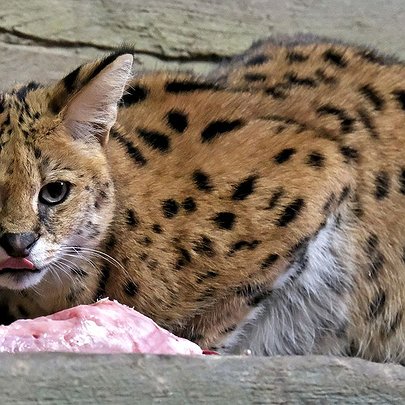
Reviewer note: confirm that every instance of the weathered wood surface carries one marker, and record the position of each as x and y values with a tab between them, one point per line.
135	379
42	39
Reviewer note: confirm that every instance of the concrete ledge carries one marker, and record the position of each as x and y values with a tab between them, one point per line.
43	40
47	378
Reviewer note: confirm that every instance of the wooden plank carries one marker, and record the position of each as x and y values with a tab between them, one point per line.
41	40
47	378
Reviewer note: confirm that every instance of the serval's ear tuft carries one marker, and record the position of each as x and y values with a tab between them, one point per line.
87	98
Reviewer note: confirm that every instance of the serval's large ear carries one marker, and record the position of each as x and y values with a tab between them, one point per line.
87	98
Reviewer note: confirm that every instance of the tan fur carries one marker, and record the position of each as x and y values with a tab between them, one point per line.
159	264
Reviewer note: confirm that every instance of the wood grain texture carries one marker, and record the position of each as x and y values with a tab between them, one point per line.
130	379
43	39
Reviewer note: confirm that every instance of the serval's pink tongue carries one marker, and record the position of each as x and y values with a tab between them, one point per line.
16	263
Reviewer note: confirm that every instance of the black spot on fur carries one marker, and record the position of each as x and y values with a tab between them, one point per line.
301	258
315	159
102	194
229	329
131	288
204	246
284	155
170	208
225	220
376	264
293	57
111	242
372	243
269	260
244	244
132	150
357	206
156	140
202	181
258	60
254	293
177	86
344	194
367	121
247	290
184	259
372	56
157	228
335	58
255	77
382	185
177	120
275	198
293	79
280	129
299	251
256	299
400	97
278	91
329	202
346	122
102	283
133	95
402	181
189	204
146	241
37	153
131	218
244	188
70	80
208	275
291	212
350	153
373	96
24	90
220	127
323	77
375	257
376	306
142	257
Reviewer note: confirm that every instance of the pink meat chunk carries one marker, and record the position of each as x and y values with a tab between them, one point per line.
103	327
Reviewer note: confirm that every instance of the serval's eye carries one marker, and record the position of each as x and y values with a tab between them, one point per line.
54	193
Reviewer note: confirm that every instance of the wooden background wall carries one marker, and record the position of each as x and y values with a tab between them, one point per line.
42	39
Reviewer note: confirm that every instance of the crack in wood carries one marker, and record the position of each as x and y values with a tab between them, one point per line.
193	57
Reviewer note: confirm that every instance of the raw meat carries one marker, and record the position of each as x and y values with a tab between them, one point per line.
103	327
